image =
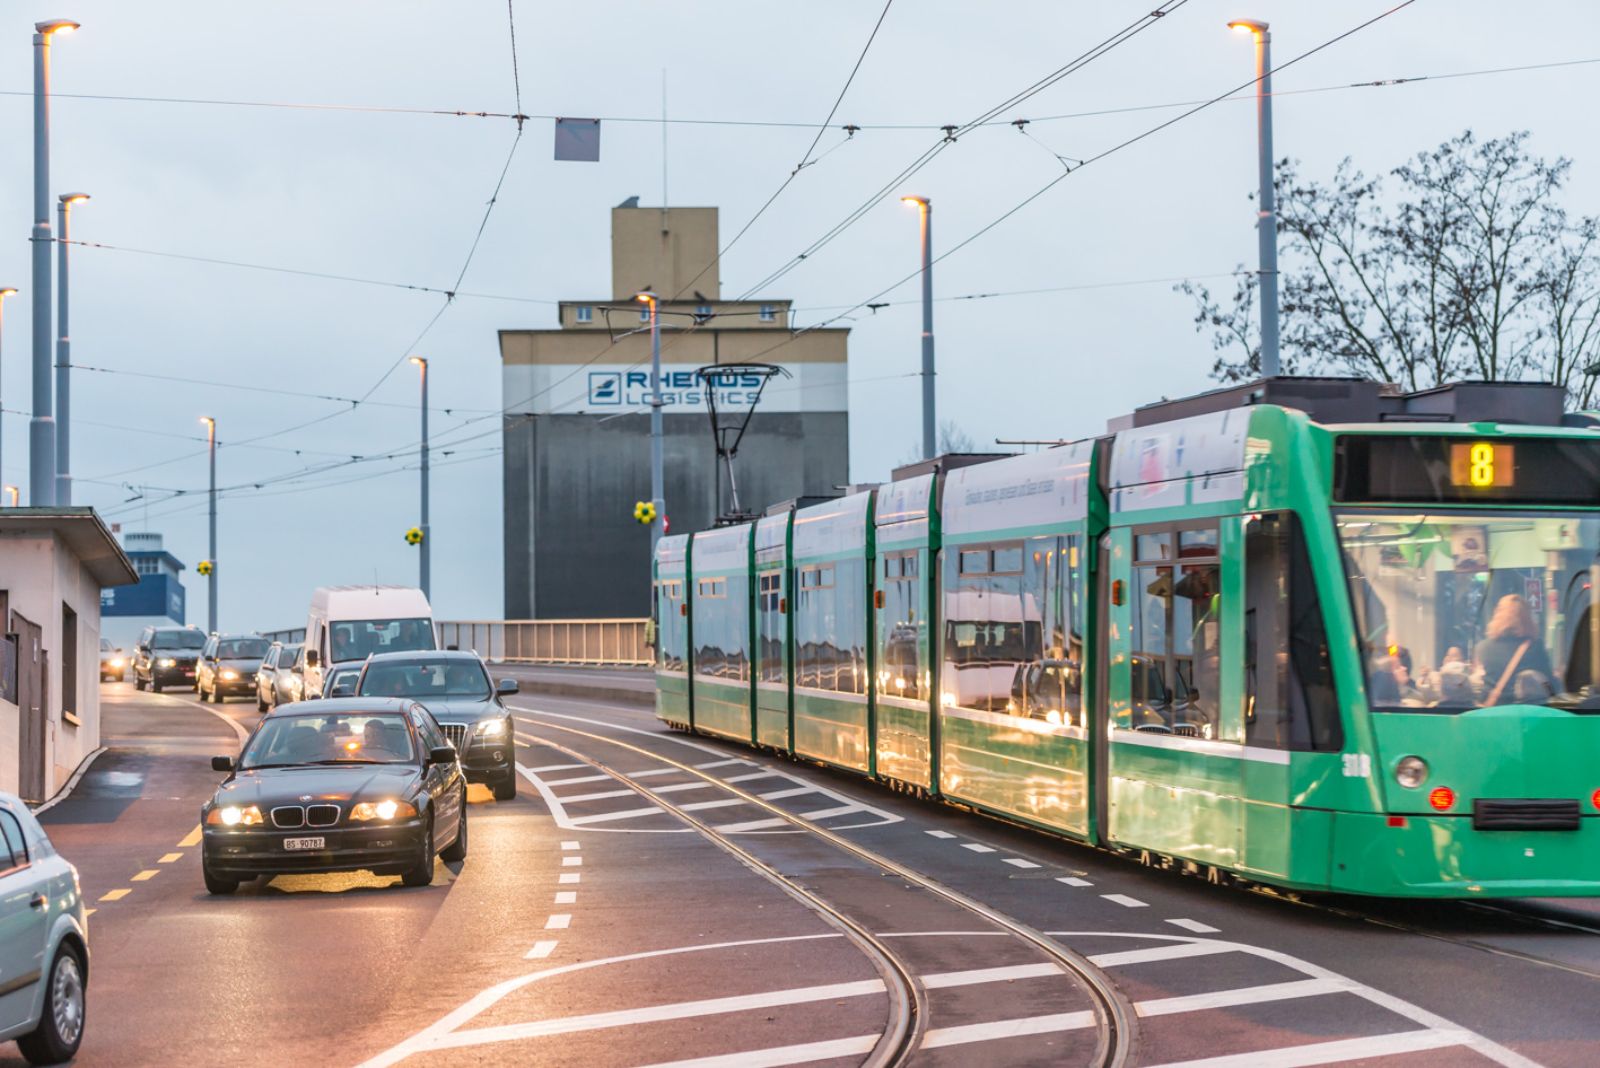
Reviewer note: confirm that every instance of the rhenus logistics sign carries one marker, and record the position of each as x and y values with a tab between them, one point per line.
598	389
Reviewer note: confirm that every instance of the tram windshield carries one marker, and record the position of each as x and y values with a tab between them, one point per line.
1460	610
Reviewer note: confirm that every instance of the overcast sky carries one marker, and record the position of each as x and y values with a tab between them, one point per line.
399	197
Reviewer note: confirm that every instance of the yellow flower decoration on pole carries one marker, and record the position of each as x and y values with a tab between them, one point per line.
205	567
644	512
414	536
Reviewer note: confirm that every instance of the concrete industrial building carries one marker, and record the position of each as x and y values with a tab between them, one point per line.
577	423
158	599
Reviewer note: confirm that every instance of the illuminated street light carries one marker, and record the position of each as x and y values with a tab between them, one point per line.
1267	216
64	353
930	443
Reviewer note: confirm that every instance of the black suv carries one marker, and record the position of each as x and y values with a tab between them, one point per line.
165	656
228	666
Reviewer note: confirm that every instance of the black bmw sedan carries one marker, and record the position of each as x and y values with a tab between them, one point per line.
349	784
455	686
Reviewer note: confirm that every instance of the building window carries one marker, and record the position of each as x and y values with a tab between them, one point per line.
69	661
703	310
147	565
585	314
768	313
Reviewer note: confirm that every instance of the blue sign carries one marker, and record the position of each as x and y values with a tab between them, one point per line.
153	595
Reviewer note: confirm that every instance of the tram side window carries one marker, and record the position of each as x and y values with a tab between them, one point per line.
992	628
1176	663
1049	685
830	626
720	628
1289	696
901	627
671	632
769	625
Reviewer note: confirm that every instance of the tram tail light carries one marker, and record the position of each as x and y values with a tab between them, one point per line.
1594	799
1442	798
1397	821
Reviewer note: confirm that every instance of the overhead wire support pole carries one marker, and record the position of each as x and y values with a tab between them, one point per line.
42	428
424	565
930	423
1267	213
64	352
657	472
211	579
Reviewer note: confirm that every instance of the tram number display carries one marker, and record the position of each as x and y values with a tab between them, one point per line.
1482	465
1436	468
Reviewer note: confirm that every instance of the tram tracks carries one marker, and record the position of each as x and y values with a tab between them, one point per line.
908	1013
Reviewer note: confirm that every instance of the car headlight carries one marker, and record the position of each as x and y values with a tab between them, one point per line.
234	816
382	810
117	663
492	728
230	674
1411	771
166	661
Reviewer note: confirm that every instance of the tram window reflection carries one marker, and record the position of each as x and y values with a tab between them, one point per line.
902	672
1289	696
770	634
1176	661
671	631
830	626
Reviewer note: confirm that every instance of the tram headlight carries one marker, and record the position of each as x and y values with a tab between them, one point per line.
1411	772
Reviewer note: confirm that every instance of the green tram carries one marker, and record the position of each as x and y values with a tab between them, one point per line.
1315	633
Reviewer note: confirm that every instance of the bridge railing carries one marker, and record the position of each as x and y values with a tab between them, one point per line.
595	642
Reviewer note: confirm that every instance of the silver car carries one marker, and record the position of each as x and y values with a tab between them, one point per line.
44	941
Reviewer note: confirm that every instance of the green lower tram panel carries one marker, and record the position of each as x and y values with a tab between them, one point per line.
672	698
1016	767
833	730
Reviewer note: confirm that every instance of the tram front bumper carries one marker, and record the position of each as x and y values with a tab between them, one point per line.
1443	856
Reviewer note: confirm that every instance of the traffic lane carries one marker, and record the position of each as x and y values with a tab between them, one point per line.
631	926
1071	887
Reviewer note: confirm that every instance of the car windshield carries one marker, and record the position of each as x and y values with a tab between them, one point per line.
358	639
178	639
337	738
1459	611
426	678
242	648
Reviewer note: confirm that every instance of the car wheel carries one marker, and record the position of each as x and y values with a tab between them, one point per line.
421	874
138	683
506	789
216	884
261	704
155	687
458	849
60	1029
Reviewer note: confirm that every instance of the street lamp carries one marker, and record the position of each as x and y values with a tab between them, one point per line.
64	355
657	475
15	494
41	428
1267	217
929	425
423	566
4	293
211	556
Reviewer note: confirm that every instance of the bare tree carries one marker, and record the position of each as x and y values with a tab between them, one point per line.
1470	269
951	439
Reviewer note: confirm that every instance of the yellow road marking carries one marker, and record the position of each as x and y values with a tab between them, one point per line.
148	873
88	912
169	858
192	839
115	895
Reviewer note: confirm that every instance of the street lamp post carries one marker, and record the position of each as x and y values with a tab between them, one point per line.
1267	216
929	422
657	474
211	554
4	293
41	428
423	565
64	355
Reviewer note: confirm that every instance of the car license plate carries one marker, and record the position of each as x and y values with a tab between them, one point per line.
305	843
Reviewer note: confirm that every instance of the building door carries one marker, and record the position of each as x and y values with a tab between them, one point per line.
31	705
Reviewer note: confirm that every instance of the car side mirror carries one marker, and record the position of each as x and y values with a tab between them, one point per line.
442	754
312	658
508	687
222	763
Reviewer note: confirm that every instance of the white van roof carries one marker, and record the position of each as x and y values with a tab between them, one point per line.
370	602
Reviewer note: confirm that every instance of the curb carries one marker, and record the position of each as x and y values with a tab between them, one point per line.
61	794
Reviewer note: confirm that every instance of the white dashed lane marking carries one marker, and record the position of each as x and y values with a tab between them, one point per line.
559	922
1018	862
1125	901
569	845
1072	880
941	834
566	897
976	848
1194	925
571	862
541	950
570	877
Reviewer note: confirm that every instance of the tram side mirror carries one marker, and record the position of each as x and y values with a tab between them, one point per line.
313	658
222	763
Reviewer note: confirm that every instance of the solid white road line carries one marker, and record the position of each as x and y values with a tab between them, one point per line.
794	791
570	877
1125	901
941	834
683	1010
940	1037
824	813
776	1057
1248	995
725	763
559	922
976	976
1194	925
578	778
1171	951
1072	880
556	767
1349	1049
566	897
1018	862
752	825
541	950
976	848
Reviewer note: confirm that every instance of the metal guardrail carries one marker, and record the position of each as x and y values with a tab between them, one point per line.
596	642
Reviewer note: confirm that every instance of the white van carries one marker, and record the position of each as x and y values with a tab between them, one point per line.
350	623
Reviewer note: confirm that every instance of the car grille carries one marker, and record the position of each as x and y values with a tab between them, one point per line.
288	817
456	735
1524	814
